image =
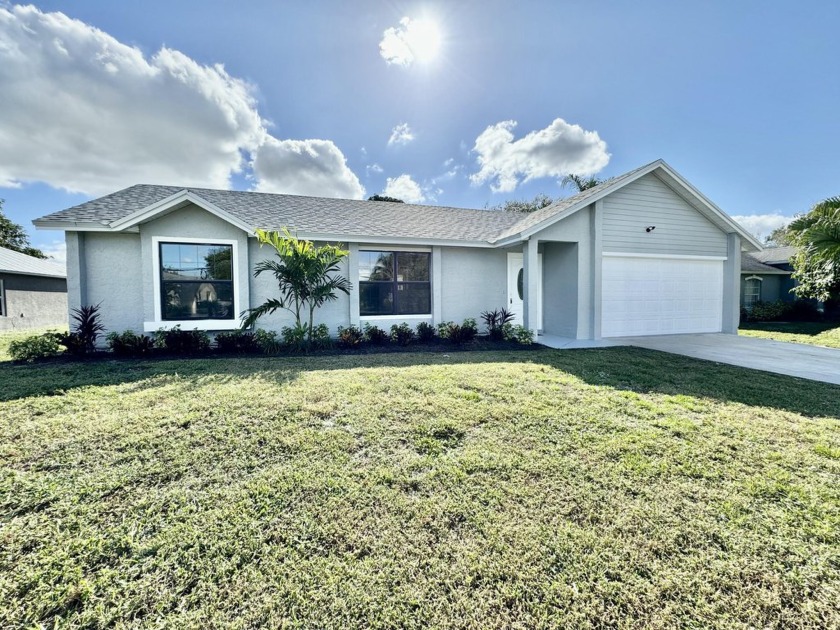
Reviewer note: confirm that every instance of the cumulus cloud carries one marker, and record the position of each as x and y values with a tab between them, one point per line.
405	188
56	251
305	167
559	149
401	134
373	168
760	225
84	112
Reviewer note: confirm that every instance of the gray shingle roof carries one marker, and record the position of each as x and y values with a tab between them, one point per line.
775	255
305	214
751	264
15	262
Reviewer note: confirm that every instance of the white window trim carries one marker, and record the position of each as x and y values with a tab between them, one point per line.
194	324
746	286
406	318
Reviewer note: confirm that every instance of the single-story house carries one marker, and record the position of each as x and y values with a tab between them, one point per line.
33	292
643	253
766	276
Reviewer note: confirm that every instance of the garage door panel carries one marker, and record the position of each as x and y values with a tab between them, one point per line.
649	296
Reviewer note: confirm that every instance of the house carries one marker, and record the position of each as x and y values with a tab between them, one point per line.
766	276
643	253
33	292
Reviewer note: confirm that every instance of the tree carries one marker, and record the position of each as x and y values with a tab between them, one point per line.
816	264
581	183
780	237
385	198
525	205
13	236
307	277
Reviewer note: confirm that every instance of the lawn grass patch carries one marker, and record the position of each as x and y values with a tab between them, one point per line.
812	333
612	487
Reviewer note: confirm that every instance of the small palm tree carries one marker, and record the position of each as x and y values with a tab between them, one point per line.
581	183
816	264
307	277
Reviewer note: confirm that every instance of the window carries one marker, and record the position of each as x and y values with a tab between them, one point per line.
2	299
196	281
752	292
394	283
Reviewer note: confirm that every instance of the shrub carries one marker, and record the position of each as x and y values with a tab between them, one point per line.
804	311
182	342
425	332
495	322
129	344
455	334
798	310
519	334
267	341
294	337
402	334
82	340
321	336
35	347
237	341
469	329
350	337
375	335
767	311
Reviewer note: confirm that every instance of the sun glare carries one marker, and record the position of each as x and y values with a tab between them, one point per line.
423	38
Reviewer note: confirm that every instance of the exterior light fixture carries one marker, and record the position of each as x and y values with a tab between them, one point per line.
650	228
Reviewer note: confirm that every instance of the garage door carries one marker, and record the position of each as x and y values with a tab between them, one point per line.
660	296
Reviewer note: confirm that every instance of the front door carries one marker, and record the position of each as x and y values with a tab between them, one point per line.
516	289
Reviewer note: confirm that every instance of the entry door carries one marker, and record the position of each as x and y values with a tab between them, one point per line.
516	288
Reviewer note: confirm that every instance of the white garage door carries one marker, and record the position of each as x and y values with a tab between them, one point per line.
660	296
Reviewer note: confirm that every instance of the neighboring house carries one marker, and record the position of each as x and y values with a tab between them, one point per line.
33	292
766	276
643	253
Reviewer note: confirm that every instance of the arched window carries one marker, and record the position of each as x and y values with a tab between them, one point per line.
752	291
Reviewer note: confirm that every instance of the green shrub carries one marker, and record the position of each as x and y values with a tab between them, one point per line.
425	332
82	339
237	341
495	322
321	336
350	337
35	347
455	334
267	341
797	310
374	335
519	334
294	337
469	329
402	334
129	344
182	342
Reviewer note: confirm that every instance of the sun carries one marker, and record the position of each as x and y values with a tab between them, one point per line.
423	38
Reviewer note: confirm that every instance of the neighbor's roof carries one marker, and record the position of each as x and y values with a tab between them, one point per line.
751	264
320	218
15	262
776	255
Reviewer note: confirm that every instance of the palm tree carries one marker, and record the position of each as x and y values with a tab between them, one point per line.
817	263
581	183
307	277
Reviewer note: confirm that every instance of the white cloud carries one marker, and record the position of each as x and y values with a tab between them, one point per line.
305	167
760	225
401	134
410	41
557	150
84	112
56	251
405	188
373	168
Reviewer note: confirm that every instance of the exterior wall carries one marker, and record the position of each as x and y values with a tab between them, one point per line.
473	280
189	222
560	289
680	229
771	287
113	278
33	302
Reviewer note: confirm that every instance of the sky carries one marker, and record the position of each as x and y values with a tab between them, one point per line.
455	103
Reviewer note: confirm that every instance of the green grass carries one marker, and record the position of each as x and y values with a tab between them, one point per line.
596	488
813	333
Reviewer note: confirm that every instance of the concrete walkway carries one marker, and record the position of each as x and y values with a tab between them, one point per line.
793	359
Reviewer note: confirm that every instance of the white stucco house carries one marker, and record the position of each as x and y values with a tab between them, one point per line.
644	253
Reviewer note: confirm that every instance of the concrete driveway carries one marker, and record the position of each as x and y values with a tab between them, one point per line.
793	359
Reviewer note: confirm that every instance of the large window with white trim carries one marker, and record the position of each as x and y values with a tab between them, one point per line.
196	281
752	292
394	283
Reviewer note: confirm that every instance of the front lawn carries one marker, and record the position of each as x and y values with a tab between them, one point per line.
814	333
594	488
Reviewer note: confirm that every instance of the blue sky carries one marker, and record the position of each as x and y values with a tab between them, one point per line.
350	99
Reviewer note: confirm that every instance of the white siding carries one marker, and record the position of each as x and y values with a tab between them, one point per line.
680	228
474	280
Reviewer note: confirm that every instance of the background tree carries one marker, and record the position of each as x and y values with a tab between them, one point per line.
780	237
580	183
385	198
307	277
817	262
13	236
524	205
